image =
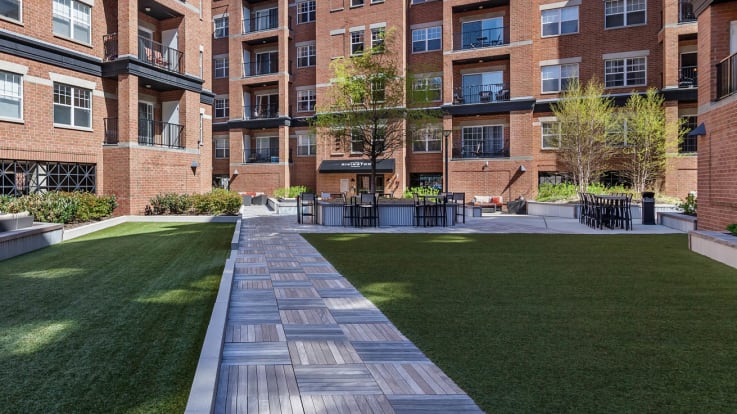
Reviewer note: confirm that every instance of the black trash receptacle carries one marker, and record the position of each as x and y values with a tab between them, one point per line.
518	206
648	207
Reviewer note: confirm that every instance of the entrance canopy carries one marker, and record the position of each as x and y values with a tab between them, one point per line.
356	166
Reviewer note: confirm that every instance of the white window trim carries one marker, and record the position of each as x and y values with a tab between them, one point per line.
560	77
560	5
13	67
625	24
542	135
22	97
20	15
644	82
71	126
69	80
217	138
427	49
303	45
71	23
227	28
220	97
214	66
306	92
298	3
624	55
310	153
560	22
565	61
434	128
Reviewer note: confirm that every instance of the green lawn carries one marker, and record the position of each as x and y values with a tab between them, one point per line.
558	323
110	322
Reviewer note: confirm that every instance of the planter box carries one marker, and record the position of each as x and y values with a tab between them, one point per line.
283	207
565	210
721	247
678	221
390	214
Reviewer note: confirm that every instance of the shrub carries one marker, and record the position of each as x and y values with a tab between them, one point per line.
290	192
420	191
216	202
689	206
61	207
171	203
732	228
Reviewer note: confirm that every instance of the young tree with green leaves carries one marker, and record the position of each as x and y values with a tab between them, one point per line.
584	117
643	151
365	109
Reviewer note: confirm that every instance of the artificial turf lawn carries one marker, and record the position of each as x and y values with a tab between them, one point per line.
558	323
110	322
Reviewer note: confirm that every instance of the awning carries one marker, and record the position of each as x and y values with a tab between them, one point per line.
356	166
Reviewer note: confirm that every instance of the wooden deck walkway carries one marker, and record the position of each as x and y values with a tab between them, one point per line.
301	339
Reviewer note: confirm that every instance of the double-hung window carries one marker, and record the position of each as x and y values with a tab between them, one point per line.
10	9
306	145
427	89
72	19
689	143
483	141
625	72
221	67
11	96
220	27
306	100
550	135
427	39
427	140
377	39
306	55
72	106
620	13
222	107
306	11
356	3
357	42
557	78
222	148
559	21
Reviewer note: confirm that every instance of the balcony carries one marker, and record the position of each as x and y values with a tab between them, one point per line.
687	77
262	67
259	22
261	155
149	51
685	12
261	112
727	77
494	92
477	39
160	134
482	150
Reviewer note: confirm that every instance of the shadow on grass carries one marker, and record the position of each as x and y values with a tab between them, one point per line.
558	323
111	322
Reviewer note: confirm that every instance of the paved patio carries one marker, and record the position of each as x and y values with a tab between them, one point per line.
300	338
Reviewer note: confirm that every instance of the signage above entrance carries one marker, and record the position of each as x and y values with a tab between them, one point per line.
356	166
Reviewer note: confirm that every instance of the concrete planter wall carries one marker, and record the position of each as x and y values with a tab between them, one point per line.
390	214
284	207
718	246
565	210
678	221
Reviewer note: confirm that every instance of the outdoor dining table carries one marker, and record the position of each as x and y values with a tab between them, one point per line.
612	211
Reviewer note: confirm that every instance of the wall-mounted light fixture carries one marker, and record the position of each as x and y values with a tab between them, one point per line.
235	172
194	166
699	130
522	168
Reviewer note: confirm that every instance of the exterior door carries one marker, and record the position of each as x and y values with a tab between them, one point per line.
145	45
170	116
364	183
145	123
732	37
482	87
170	40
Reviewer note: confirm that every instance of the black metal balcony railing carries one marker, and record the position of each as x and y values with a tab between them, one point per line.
161	134
475	39
687	77
260	111
110	46
480	151
111	131
494	92
149	51
264	67
261	155
727	77
259	23
685	11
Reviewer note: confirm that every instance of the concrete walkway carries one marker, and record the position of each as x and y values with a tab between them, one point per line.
299	338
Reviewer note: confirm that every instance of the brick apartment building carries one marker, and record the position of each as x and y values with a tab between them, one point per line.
105	96
717	48
492	66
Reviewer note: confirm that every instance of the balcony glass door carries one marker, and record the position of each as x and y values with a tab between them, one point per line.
266	19
482	87
267	106
483	33
145	123
266	63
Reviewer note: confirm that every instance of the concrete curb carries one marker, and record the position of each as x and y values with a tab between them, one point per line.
93	227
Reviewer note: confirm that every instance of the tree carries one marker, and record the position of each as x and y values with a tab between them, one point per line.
365	108
584	117
643	150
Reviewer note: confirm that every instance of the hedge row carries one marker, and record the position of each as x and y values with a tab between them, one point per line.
61	207
217	202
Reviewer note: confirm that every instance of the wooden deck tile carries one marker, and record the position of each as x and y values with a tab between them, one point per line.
255	353
294	304
291	283
283	265
257	389
350	303
322	353
252	284
346	404
289	276
252	295
359	316
319	269
314	332
296	293
429	404
389	352
264	276
372	332
254	315
250	258
250	269
237	332
338	293
332	284
335	380
314	316
408	379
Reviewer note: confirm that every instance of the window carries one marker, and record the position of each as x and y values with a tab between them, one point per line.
222	148
356	141
72	20
620	13
266	19
266	63
625	72
688	145
617	132
306	11
427	140
221	27
306	56
425	40
10	9
483	141
356	3
221	67
72	106
377	39
378	90
306	145
557	78
427	89
560	21
483	33
484	87
306	100
11	95
222	107
357	42
551	135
